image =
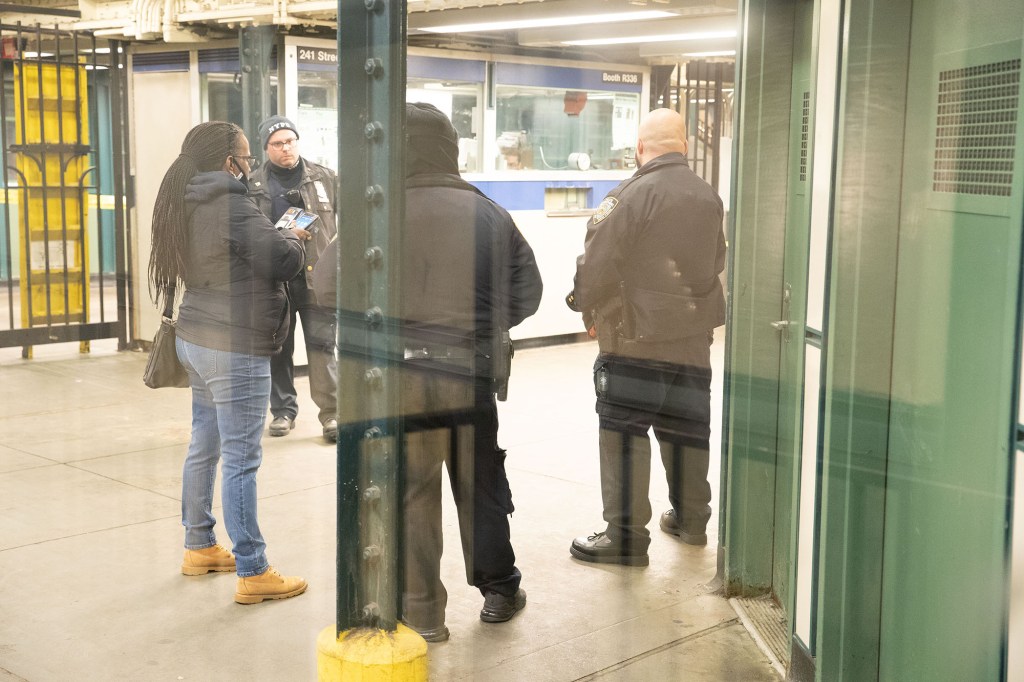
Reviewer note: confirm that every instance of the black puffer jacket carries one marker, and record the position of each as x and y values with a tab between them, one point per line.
235	269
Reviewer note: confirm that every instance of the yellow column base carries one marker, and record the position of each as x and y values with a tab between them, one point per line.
371	655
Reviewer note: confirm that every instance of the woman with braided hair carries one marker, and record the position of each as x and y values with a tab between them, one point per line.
210	237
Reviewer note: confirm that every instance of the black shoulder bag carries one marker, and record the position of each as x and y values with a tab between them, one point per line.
163	369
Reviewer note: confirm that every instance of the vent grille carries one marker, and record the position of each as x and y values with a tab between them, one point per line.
805	123
976	129
160	61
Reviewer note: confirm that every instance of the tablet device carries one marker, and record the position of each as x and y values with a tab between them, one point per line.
307	221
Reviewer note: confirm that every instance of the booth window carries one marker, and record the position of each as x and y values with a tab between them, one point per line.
460	101
222	97
317	115
558	129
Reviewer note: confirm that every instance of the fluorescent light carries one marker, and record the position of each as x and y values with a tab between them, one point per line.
707	35
551	21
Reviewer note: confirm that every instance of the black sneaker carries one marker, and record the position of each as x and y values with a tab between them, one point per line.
599	549
670	524
498	608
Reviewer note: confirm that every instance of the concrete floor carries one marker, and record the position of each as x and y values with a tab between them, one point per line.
90	544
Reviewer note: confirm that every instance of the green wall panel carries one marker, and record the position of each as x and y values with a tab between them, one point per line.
791	366
858	339
944	596
757	252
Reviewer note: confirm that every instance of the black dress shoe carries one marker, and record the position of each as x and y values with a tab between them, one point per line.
280	426
670	524
331	430
432	635
599	549
498	608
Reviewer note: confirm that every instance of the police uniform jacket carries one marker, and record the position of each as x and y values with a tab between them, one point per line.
318	191
236	266
649	274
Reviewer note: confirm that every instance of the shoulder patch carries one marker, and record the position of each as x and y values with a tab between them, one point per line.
321	192
605	209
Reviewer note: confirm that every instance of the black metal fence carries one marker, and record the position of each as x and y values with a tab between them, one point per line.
702	92
63	214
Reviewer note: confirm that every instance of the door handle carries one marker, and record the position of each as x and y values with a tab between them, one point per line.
782	326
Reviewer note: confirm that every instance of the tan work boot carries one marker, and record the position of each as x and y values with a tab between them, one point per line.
268	585
202	561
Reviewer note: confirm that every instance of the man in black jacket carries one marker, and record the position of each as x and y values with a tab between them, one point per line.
468	276
287	180
648	287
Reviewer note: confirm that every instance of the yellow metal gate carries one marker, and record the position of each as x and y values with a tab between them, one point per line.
51	147
63	219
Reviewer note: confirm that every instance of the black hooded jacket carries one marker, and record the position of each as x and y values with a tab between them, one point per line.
467	273
236	266
465	264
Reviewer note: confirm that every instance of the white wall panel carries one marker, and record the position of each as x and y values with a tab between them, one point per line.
1016	634
159	124
822	159
808	496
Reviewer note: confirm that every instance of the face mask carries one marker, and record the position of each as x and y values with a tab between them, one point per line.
241	176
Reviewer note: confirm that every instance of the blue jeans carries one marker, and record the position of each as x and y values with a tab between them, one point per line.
230	394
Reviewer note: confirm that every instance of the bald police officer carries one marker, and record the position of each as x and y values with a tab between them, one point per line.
648	287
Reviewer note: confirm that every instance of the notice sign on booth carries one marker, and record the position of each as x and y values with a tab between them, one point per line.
55	252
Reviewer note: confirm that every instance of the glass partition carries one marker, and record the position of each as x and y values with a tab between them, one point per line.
560	129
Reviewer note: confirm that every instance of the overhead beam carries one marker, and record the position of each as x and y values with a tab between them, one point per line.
689	48
7	9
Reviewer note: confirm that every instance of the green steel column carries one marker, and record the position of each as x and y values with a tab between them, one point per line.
255	44
371	75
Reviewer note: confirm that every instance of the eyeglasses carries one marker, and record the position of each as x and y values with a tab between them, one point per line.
281	144
248	159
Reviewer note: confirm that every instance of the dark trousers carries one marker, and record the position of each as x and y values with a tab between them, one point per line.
463	437
632	397
318	332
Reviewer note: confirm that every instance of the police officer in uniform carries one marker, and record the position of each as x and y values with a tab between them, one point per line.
287	180
648	287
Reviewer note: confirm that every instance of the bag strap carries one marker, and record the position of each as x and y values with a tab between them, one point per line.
169	303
